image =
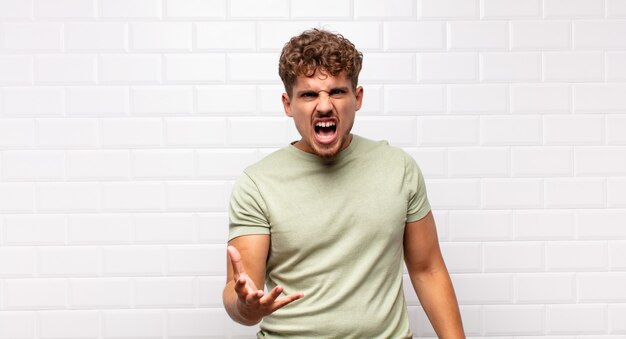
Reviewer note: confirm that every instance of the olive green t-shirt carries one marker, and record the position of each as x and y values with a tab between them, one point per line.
336	232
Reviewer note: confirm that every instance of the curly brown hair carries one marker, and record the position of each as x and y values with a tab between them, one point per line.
317	49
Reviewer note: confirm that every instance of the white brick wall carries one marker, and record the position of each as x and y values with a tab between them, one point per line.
123	124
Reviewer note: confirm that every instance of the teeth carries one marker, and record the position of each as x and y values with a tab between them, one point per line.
325	124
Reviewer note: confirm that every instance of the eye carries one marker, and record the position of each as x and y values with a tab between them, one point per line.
337	92
308	95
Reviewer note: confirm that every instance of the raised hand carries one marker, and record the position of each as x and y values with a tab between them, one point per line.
252	303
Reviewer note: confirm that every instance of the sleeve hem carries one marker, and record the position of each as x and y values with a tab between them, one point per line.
238	231
418	215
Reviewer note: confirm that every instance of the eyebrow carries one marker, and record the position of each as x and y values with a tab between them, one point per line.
342	88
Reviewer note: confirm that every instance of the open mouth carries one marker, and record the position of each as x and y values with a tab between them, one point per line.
325	131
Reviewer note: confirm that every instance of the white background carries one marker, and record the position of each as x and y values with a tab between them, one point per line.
123	124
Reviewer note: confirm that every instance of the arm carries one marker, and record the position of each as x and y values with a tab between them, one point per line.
243	301
430	277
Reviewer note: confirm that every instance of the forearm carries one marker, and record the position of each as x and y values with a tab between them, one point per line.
229	298
436	294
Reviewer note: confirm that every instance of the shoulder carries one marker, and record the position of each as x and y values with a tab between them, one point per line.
381	149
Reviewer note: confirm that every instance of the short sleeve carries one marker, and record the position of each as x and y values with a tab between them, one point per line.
247	211
418	205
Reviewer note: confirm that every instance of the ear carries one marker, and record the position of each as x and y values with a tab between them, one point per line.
359	97
287	104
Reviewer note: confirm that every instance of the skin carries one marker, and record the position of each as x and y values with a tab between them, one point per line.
326	98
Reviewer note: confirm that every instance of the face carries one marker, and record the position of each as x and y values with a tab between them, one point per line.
323	108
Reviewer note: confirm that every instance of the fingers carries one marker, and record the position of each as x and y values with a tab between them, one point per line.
235	260
272	298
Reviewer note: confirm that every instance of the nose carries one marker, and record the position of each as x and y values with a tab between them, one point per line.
324	103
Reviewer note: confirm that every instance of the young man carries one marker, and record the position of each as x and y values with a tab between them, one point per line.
325	222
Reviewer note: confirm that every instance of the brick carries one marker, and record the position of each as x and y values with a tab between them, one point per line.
607	225
33	165
475	35
414	99
514	320
373	104
255	132
195	9
573	130
132	196
17	197
597	98
540	98
224	163
16	9
17	262
191	260
573	66
101	165
477	162
69	324
511	130
599	161
69	261
462	257
148	164
479	226
257	67
448	9
598	34
133	260
601	287
213	228
65	69
165	292
195	68
616	192
34	101
449	131
391	9
196	131
514	256
211	288
197	196
106	36
511	9
65	9
617	255
573	319
540	35
231	36
266	9
126	132
75	133
425	36
448	67
164	228
228	99
17	325
454	194
615	126
136	9
377	128
196	322
484	288
272	35
16	69
389	68
17	133
130	68
365	35
478	99
132	323
33	36
516	193
574	193
576	256
617	314
35	294
541	161
86	229
615	65
35	230
510	67
161	100
616	9
323	9
99	101
78	197
539	288
433	162
161	36
100	293
270	103
576	9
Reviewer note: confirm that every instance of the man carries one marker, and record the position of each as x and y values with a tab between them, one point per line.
325	222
